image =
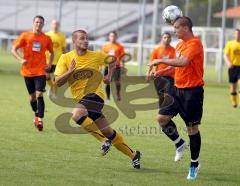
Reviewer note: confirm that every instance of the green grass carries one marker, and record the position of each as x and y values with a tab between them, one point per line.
29	157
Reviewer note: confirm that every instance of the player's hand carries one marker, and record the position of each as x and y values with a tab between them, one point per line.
106	80
72	66
23	61
48	67
149	76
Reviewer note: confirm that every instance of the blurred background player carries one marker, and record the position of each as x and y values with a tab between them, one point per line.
188	94
34	44
59	47
163	74
232	59
116	49
81	69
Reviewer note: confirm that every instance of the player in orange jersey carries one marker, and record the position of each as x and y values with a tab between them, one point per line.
34	44
113	47
188	95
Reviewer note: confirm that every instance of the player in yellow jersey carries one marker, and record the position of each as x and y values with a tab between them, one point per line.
232	59
59	47
81	69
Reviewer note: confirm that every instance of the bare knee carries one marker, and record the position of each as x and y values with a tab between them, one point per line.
193	130
163	119
33	97
78	113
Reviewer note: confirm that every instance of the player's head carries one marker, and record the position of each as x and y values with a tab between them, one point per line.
80	39
54	25
38	23
166	38
237	34
112	36
183	27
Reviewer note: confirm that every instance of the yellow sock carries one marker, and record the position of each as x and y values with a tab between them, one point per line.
92	128
50	82
119	144
234	99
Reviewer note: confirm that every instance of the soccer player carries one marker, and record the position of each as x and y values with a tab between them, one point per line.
59	47
188	94
34	44
232	59
81	69
163	74
113	47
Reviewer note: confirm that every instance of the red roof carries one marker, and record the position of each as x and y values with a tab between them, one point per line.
233	12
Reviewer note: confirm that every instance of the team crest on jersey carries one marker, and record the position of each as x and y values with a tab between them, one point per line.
178	54
36	46
82	74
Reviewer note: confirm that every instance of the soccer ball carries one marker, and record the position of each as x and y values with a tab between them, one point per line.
171	13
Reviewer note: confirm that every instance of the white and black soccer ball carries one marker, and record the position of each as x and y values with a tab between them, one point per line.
171	13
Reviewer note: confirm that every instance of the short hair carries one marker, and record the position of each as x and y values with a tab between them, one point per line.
113	32
40	17
78	31
185	21
166	33
237	29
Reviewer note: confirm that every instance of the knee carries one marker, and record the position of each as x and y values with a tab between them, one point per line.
193	130
79	113
163	120
33	97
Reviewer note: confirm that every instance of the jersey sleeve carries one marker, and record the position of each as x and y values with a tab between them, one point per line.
122	52
20	41
102	57
61	67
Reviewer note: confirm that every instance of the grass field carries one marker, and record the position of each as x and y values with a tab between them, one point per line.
29	157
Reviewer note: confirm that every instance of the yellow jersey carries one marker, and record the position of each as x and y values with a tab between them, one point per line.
87	77
59	43
232	49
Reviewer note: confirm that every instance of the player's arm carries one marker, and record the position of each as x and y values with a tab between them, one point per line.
227	60
17	55
61	80
177	62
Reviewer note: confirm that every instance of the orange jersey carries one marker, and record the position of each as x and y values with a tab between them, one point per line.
163	53
33	47
190	75
115	49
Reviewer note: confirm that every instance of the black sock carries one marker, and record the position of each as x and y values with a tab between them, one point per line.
107	89
195	145
34	106
170	130
40	106
118	87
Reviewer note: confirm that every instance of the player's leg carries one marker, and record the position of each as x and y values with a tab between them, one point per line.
117	140
80	116
117	81
94	105
233	78
192	113
40	84
107	86
29	82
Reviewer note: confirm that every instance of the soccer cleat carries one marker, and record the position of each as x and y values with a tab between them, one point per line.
192	174
38	124
106	147
180	150
136	160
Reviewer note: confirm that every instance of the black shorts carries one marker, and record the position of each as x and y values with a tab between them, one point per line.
188	103
94	105
234	74
52	70
164	86
36	83
116	76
